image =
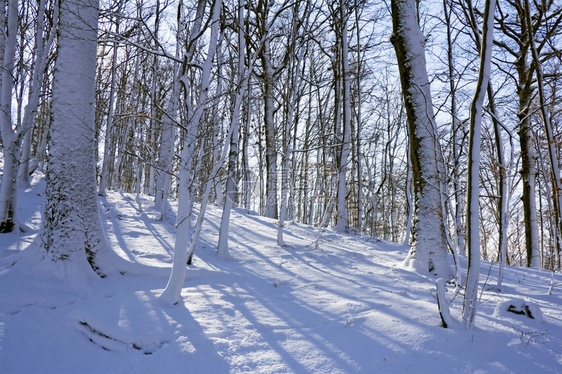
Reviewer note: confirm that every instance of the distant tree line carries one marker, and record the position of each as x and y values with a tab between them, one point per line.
353	114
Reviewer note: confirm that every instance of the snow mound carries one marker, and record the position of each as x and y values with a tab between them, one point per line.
519	307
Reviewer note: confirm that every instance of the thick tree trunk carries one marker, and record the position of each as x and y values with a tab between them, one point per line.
429	249
72	230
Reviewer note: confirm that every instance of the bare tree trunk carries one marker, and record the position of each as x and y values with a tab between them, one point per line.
358	125
456	127
528	170
104	176
554	163
72	232
39	65
270	133
295	84
409	200
341	218
473	190
166	151
503	202
10	140
184	229
429	250
222	247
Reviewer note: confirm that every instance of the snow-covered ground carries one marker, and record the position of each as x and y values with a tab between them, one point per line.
347	307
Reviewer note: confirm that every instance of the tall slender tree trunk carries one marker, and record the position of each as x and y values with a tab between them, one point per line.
429	249
528	171
10	139
270	134
166	151
358	124
230	195
503	201
456	128
184	227
473	181
554	162
39	65
342	218
104	176
154	104
295	85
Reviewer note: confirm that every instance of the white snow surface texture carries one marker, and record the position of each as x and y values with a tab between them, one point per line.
347	307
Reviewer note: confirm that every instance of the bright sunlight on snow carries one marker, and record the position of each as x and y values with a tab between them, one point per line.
347	307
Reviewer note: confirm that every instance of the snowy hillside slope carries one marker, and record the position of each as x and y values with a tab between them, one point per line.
347	307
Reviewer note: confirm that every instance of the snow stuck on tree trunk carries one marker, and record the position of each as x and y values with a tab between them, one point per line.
72	233
429	247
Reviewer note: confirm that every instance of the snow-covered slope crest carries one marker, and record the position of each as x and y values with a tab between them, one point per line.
347	307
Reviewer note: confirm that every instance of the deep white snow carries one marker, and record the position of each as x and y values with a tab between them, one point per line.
347	307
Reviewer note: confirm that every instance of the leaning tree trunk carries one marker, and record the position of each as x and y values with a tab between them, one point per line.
222	246
184	227
72	231
429	247
473	190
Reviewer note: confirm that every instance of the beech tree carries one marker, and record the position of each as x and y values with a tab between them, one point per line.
545	116
456	129
230	195
428	253
295	81
104	175
17	127
309	117
473	190
184	227
517	45
72	233
10	140
341	217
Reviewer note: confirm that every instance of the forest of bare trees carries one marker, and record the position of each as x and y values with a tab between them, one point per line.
353	114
